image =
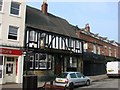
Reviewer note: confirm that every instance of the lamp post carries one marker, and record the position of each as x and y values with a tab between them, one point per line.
29	81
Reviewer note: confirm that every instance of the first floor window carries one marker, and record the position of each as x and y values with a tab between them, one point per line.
13	32
1	3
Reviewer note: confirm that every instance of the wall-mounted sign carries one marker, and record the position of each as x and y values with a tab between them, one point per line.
10	51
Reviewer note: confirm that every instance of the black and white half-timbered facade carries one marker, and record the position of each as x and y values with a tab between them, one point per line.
51	43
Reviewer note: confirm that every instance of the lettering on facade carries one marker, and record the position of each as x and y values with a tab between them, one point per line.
10	51
5	51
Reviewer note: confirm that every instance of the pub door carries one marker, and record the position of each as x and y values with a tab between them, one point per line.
58	64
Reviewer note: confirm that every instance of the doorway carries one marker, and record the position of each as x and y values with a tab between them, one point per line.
10	70
58	64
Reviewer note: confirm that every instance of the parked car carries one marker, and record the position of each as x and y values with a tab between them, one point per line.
71	79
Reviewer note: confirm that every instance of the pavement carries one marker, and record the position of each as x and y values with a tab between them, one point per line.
13	86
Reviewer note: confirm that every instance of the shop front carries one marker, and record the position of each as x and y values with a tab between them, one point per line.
11	64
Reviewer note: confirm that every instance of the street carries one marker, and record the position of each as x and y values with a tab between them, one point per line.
109	83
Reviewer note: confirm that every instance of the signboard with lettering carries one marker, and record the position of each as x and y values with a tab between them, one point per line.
10	51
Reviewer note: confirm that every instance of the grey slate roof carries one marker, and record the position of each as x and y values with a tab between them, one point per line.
36	19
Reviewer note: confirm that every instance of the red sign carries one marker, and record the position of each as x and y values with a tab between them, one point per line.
10	51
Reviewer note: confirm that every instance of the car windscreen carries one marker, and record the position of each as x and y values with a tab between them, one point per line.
62	75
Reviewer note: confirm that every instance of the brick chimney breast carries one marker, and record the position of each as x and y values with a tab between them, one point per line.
44	7
87	27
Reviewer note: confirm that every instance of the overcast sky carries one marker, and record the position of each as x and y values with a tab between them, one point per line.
102	16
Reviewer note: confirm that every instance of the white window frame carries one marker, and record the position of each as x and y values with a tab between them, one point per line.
71	43
115	52
44	63
33	36
94	49
32	62
109	51
13	8
12	34
1	5
0	30
98	50
36	61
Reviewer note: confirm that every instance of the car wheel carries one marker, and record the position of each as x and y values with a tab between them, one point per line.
88	82
71	86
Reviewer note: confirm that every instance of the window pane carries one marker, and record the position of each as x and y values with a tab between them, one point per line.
15	5
12	32
15	8
73	75
79	75
1	2
14	11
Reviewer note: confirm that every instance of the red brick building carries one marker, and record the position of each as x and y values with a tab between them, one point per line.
97	51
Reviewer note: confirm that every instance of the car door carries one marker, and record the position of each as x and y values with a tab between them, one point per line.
73	78
81	78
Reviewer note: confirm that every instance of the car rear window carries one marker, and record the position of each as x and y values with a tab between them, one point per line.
62	75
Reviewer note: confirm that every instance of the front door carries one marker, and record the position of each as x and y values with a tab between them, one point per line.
10	69
58	64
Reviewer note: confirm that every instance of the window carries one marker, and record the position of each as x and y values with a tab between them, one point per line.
15	8
77	44
0	31
109	51
13	32
36	61
31	62
45	63
98	50
71	43
73	75
1	60
33	36
94	48
79	75
42	40
1	3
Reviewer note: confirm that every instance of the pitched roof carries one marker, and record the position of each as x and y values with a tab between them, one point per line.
36	19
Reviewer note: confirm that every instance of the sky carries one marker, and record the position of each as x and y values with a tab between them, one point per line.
102	16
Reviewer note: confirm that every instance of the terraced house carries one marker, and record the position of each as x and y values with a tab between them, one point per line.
98	51
12	23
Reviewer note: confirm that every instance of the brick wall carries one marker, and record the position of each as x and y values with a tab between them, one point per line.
102	47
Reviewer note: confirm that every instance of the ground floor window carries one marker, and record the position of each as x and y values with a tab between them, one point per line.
1	60
40	61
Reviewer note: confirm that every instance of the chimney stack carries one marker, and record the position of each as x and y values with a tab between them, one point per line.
44	7
87	27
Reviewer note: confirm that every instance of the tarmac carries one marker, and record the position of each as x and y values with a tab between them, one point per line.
14	86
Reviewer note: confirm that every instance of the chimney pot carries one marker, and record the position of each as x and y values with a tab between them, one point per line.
44	7
87	28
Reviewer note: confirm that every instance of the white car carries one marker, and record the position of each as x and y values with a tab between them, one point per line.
71	79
